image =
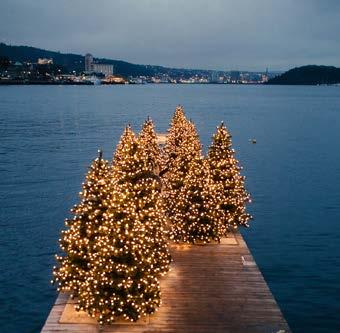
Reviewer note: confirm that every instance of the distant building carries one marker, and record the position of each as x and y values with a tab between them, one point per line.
113	79
264	78
215	77
105	69
93	67
45	61
88	62
235	76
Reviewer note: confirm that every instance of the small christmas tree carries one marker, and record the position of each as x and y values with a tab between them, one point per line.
148	139
79	240
132	251
194	139
119	154
176	135
225	171
127	136
196	212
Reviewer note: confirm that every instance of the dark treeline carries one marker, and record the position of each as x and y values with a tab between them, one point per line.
75	62
308	75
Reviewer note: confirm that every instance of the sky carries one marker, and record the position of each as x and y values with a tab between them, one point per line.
206	34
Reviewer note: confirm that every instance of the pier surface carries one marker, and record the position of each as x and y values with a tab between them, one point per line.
212	288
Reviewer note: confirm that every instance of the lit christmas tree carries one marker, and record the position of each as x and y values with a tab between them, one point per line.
196	215
127	136
176	135
79	240
181	148
135	175
225	171
132	248
148	139
194	139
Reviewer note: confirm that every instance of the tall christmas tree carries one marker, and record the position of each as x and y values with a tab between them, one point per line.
78	242
181	148
197	216
133	251
226	172
148	139
136	176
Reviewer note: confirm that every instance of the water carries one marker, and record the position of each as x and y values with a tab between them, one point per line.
50	134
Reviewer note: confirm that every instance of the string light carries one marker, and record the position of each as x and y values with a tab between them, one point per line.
148	139
182	146
226	173
115	246
78	241
197	217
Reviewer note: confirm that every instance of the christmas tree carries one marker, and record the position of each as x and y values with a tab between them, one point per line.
127	136
196	215
182	139
136	176
78	242
181	148
176	135
132	251
225	171
194	140
148	139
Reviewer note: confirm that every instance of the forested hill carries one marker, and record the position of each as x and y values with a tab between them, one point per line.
75	62
308	75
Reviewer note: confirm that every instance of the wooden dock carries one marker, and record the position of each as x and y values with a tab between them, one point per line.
212	288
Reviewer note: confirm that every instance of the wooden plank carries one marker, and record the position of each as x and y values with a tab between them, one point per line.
209	289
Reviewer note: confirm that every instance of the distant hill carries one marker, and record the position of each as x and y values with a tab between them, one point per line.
308	75
75	62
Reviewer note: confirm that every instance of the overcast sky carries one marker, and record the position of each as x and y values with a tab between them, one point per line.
212	34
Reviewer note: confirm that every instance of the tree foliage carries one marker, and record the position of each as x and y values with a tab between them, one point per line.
79	240
226	173
196	215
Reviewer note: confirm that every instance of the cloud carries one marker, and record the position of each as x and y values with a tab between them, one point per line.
221	34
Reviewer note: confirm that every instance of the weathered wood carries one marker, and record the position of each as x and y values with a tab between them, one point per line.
210	288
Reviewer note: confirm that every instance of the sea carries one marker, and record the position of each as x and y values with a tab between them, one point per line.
50	134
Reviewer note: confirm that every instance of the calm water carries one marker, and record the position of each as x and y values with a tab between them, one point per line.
48	136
